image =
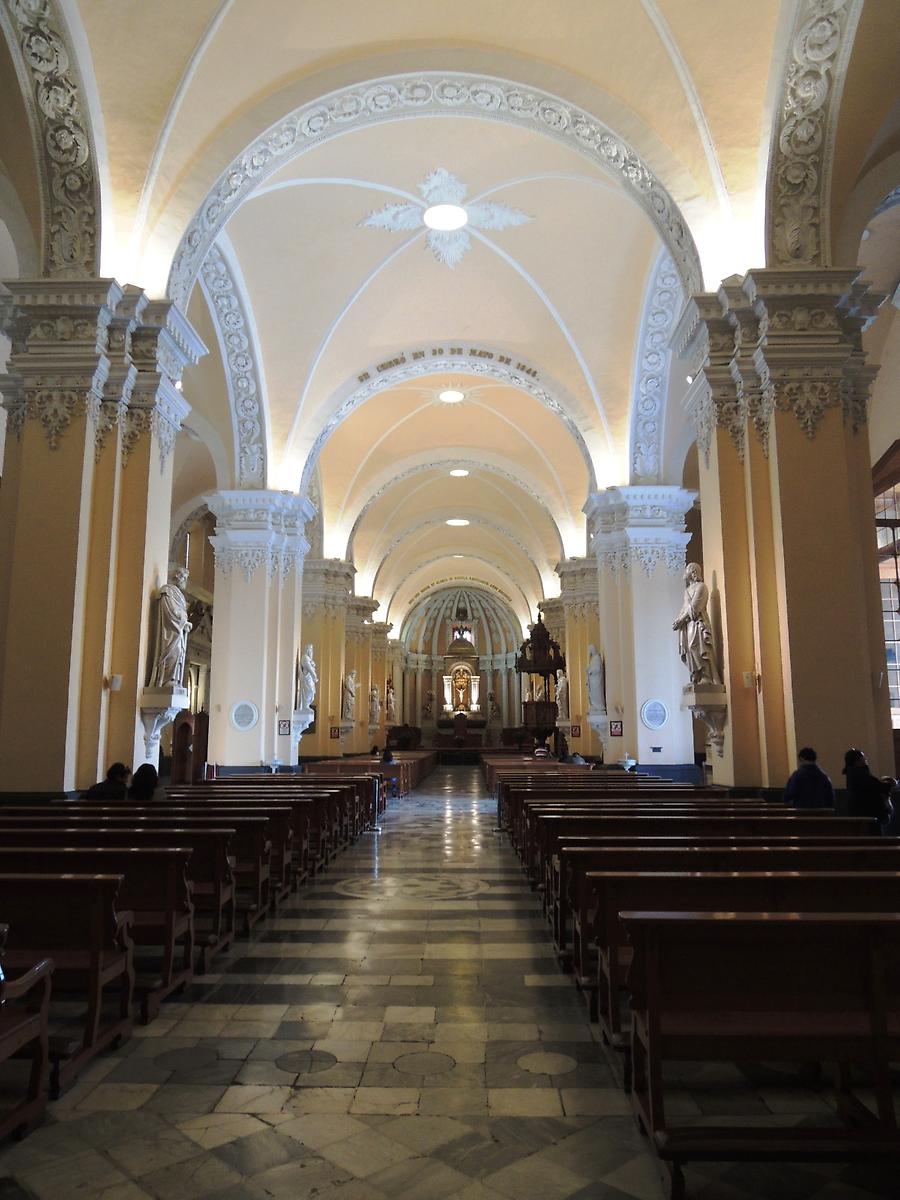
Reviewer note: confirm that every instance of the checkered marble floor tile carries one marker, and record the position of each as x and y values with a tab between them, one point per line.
400	1030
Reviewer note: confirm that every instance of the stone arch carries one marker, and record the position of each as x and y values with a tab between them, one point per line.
430	93
798	185
61	133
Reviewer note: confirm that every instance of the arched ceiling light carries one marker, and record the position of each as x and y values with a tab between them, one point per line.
445	217
459	472
459	556
451	396
457	521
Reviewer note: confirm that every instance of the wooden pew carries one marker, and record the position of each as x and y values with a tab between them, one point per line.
74	920
552	831
154	888
25	1030
574	897
210	873
766	987
250	844
752	889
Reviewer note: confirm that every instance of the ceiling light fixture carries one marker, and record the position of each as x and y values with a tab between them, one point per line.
451	396
689	379
445	218
459	472
459	556
457	521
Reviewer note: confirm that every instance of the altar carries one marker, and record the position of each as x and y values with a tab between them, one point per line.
462	682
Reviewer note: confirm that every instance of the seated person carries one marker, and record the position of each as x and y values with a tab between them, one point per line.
388	755
144	783
540	750
113	787
809	786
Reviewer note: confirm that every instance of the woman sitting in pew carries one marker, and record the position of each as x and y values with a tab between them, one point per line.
868	796
144	783
113	787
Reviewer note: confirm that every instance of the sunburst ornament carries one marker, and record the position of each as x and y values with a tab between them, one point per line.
445	215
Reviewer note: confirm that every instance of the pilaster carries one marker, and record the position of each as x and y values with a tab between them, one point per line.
580	597
358	657
327	587
58	370
639	541
380	674
259	552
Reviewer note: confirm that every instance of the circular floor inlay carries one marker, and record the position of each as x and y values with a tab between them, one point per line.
424	1064
541	1063
187	1060
305	1062
411	887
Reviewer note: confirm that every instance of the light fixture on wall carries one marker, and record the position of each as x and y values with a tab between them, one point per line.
459	472
457	521
451	396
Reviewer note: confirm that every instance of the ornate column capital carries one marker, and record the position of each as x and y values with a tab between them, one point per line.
639	526
579	586
380	643
163	343
59	363
327	586
554	615
809	356
259	529
359	617
704	340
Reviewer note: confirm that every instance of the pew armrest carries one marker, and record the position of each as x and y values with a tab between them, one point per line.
15	989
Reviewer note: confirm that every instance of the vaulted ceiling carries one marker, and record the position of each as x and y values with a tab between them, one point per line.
266	165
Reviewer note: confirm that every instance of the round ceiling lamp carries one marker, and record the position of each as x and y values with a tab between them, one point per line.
459	472
451	396
445	217
457	521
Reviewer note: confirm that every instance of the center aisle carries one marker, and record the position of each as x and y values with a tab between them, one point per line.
400	1030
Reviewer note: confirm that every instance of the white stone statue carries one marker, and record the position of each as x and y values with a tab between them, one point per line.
171	632
596	681
562	696
390	703
309	677
539	690
348	705
695	639
494	707
428	705
374	705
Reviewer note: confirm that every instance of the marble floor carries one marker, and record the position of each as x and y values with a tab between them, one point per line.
400	1031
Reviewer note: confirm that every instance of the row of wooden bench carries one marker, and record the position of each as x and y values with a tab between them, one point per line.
739	931
83	884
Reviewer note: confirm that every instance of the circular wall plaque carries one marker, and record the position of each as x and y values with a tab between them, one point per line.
244	715
654	714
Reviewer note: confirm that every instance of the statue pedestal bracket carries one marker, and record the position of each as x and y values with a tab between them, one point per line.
708	703
159	707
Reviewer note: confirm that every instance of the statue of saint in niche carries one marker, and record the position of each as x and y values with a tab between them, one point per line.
309	677
562	696
390	703
695	639
171	632
348	707
374	705
596	681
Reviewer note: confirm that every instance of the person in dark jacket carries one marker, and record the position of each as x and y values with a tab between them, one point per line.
113	787
868	796
144	783
809	786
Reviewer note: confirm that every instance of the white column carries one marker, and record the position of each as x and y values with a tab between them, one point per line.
639	541
259	549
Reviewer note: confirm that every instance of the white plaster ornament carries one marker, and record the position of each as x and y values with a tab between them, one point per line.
443	187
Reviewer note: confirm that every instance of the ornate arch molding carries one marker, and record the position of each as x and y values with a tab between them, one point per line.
455	461
428	94
233	321
65	157
798	188
662	305
433	360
